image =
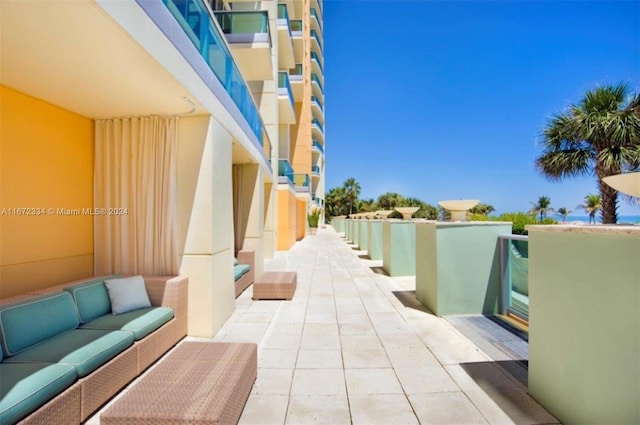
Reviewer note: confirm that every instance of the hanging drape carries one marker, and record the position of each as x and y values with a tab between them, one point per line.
239	225
135	222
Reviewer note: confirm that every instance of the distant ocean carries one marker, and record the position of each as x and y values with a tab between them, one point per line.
626	219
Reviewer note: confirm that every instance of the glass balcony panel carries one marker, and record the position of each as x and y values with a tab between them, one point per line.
295	25
285	169
282	11
515	284
197	23
316	99
297	70
318	146
317	122
283	83
316	57
301	180
314	34
315	79
315	14
243	22
315	169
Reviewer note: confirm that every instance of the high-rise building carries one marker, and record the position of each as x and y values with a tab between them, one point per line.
157	137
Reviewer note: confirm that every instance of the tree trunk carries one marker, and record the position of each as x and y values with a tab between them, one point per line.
609	198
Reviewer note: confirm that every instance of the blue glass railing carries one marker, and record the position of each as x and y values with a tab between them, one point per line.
316	57
284	14
295	25
314	34
315	78
515	275
283	82
243	22
197	23
318	145
315	99
301	180
315	169
317	122
285	169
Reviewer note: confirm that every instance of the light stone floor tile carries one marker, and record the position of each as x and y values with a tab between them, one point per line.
476	376
357	329
372	381
446	408
320	342
400	340
381	409
321	329
281	342
354	342
320	318
319	359
426	380
287	328
411	357
264	410
318	409
365	358
277	359
318	382
517	405
463	352
273	382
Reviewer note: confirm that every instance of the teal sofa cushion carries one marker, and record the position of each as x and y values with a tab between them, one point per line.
24	387
85	349
92	299
31	321
240	270
141	322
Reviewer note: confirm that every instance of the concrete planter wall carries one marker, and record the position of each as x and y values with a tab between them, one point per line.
355	231
458	266
399	247
363	235
374	230
584	322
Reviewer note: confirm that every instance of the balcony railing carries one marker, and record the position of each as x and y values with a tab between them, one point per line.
315	169
301	181
315	14
315	79
316	57
316	99
198	24
283	15
515	275
283	83
296	26
316	121
243	22
318	146
285	169
314	34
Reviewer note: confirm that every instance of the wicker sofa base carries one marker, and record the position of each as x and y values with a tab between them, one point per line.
275	286
198	382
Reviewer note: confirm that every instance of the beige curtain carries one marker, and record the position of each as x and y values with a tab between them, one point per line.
135	228
239	227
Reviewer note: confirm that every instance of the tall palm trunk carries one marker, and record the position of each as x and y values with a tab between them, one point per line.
609	197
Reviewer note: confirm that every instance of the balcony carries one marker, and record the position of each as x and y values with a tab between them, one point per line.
296	80
514	256
286	112
296	35
317	147
316	107
317	130
285	39
248	35
197	23
316	64
316	85
316	43
285	172
316	20
301	183
315	171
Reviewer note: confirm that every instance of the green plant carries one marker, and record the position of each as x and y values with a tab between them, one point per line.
313	217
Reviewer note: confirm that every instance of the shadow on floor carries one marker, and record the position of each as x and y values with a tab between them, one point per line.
379	270
409	300
364	256
512	400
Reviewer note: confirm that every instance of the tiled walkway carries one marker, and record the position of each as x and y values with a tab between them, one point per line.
347	350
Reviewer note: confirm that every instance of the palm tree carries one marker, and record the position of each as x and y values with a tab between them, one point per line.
335	202
352	191
599	135
390	200
482	209
563	212
541	207
591	205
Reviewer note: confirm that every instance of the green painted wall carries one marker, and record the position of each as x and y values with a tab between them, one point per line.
355	231
584	324
399	248
458	266
363	236
375	239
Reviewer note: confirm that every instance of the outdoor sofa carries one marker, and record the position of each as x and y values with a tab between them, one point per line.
243	270
64	354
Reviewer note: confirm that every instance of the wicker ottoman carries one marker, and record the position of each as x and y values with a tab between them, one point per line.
275	286
198	382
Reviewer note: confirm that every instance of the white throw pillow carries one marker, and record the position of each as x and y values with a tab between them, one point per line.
127	294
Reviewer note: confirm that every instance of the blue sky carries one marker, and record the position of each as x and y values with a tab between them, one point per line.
446	99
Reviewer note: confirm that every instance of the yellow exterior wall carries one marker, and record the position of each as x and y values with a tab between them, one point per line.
301	219
46	162
286	219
